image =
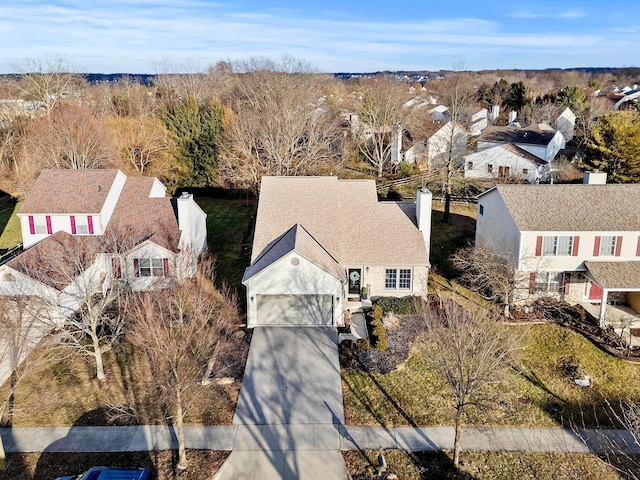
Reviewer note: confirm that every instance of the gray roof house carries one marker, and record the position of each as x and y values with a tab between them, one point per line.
541	141
319	241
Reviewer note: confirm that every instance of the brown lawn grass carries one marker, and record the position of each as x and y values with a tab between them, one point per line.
483	466
536	394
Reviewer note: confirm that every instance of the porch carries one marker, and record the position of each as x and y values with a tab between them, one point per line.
622	318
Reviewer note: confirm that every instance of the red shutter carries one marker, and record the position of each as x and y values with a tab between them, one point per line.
115	267
618	246
48	221
538	246
638	248
596	246
567	282
32	226
73	225
90	224
136	267
532	282
576	245
165	266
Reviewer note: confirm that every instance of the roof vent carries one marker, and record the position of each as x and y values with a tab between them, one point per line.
184	195
595	177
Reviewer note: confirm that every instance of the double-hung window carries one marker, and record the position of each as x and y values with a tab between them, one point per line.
557	246
151	267
548	282
608	246
390	278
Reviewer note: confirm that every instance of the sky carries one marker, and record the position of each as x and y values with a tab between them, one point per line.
156	36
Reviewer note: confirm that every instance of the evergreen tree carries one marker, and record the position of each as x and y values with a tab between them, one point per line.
613	146
198	131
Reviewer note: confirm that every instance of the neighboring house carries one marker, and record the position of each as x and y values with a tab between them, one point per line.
155	238
319	241
478	122
434	142
505	162
566	123
543	142
579	242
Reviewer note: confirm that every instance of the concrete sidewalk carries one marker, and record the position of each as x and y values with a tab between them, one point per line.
312	437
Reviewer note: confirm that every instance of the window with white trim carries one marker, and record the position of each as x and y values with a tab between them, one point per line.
390	278
404	280
469	165
82	225
40	224
151	267
489	168
608	246
557	245
548	282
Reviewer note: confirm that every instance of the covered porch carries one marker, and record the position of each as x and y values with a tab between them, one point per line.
618	302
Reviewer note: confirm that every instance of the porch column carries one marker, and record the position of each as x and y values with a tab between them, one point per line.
603	308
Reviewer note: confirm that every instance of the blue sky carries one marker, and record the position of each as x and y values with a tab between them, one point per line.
142	36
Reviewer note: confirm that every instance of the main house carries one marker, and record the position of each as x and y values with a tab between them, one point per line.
321	243
106	227
580	242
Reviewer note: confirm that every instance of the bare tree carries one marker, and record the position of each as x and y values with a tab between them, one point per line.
183	331
381	111
72	137
278	124
71	274
48	80
457	93
493	275
472	353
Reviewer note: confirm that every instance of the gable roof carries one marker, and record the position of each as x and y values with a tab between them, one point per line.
297	239
605	208
69	191
527	136
344	216
511	148
140	218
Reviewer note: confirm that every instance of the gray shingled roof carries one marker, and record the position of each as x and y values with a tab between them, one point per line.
528	136
297	239
615	275
344	216
69	191
573	208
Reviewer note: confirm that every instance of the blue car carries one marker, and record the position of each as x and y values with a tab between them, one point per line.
108	473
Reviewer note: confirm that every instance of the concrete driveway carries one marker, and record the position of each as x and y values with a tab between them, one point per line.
292	376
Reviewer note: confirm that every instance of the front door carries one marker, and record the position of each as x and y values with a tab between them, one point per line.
355	278
595	292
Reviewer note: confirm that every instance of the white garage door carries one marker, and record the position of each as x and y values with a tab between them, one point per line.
295	309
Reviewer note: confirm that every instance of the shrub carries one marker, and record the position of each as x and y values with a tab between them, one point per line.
381	335
377	313
406	170
400	306
363	345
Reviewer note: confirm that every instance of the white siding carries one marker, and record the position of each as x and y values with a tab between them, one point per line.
499	157
495	226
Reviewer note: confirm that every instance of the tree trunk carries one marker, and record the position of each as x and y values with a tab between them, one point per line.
182	455
3	456
456	442
97	353
507	310
210	364
447	208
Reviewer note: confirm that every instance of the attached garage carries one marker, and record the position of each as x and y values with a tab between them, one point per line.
301	309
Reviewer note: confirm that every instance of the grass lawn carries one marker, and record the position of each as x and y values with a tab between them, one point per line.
64	391
537	394
479	466
203	464
230	233
10	235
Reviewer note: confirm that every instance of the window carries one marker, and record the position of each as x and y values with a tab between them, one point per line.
489	168
608	246
503	171
400	279
469	165
390	278
557	246
404	282
81	225
525	171
548	282
151	267
81	228
40	224
481	210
